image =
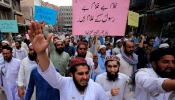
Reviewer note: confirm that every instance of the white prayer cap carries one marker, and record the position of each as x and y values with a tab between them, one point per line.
67	37
164	45
71	36
102	46
19	36
57	41
5	41
118	40
125	39
30	44
56	36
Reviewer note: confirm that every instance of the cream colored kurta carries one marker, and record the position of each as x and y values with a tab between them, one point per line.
125	67
149	86
122	82
26	67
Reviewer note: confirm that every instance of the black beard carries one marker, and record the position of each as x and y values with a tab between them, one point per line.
150	45
173	76
66	45
8	59
18	47
33	56
130	53
164	74
59	51
78	86
112	77
83	56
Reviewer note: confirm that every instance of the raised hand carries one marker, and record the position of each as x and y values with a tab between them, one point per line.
37	39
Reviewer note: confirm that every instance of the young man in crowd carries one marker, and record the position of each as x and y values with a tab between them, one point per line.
115	84
79	85
9	74
128	59
157	83
19	52
26	66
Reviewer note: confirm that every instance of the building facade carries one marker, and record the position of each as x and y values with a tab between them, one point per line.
10	10
27	8
65	18
157	17
52	28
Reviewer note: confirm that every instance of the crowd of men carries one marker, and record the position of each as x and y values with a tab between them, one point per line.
81	68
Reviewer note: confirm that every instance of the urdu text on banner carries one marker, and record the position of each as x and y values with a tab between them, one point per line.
8	26
100	17
46	14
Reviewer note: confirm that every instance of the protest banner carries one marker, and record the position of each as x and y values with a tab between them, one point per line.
133	19
46	14
8	26
100	17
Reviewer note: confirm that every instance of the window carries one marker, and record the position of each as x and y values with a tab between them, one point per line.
3	15
7	1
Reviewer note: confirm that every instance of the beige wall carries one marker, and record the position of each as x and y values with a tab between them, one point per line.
27	3
26	8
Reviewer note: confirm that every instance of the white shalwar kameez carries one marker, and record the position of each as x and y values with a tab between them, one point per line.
9	78
26	67
20	53
121	82
67	88
149	86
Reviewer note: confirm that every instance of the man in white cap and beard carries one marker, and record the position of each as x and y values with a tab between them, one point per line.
5	43
101	58
115	84
26	66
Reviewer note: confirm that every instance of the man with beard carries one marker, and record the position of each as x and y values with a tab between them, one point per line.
9	74
59	57
118	47
68	48
150	41
26	66
101	58
78	86
128	59
157	83
114	83
19	52
93	63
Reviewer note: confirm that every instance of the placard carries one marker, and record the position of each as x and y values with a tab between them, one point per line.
8	26
100	17
133	19
46	14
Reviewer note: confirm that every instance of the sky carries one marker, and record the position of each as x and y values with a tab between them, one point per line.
60	2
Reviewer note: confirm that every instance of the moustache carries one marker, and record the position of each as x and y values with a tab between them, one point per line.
169	68
84	80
